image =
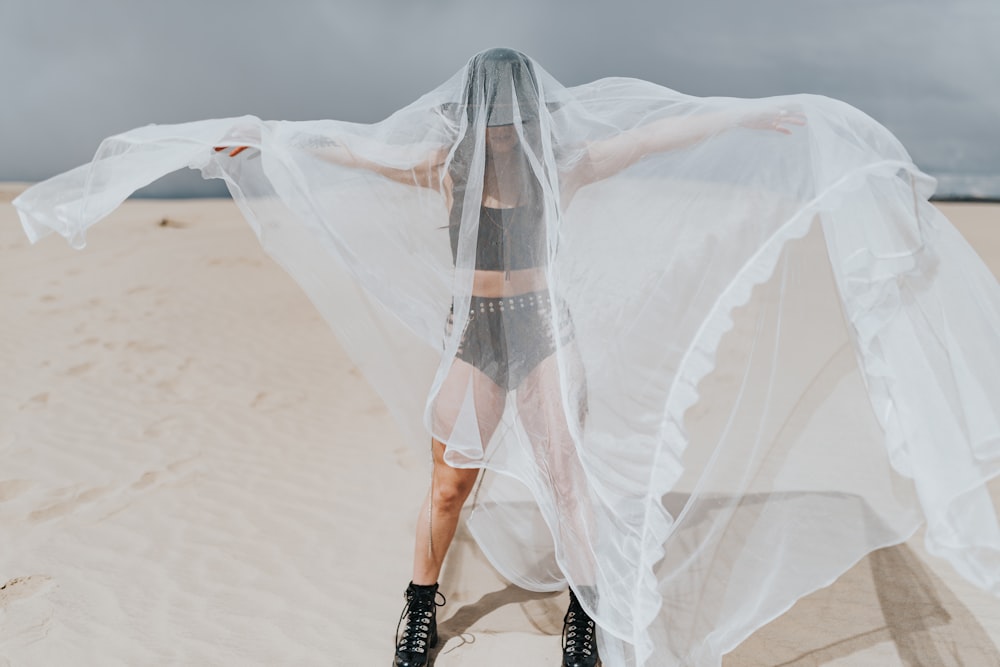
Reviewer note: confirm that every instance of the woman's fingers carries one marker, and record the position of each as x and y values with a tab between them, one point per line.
792	117
777	121
785	118
233	153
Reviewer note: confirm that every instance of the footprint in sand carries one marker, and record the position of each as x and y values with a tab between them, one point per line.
12	488
64	507
160	427
147	480
35	402
170	383
31	614
93	340
175	472
144	346
21	588
271	401
183	465
79	369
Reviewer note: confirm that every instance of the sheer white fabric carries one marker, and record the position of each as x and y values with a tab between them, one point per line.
709	357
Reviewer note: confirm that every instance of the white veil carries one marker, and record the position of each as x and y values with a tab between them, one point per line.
742	354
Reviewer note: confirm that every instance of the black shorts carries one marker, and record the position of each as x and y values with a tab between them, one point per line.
506	338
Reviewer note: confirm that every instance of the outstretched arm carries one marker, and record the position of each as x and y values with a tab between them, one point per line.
607	157
426	173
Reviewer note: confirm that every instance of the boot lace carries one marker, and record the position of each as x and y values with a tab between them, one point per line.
578	632
419	614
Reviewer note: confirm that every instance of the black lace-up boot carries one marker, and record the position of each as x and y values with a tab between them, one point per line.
579	638
420	632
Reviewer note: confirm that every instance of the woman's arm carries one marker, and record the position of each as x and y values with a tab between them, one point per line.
607	157
426	173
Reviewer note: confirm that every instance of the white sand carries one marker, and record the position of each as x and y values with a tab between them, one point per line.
193	473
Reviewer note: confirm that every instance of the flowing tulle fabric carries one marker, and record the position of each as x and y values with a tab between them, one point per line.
747	358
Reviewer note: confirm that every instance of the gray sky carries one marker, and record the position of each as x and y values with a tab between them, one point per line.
76	72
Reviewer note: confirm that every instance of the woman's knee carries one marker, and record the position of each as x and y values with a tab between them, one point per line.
451	487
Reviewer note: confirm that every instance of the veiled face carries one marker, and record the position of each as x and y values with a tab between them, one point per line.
501	139
501	88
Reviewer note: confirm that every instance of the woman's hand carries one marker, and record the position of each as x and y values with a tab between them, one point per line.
780	120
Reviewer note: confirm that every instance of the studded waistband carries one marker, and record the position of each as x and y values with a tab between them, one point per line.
529	301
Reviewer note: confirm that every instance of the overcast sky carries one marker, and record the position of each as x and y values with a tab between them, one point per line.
74	72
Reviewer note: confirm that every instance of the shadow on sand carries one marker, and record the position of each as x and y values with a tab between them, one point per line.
889	598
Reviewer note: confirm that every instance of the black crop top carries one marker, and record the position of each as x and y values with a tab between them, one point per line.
509	239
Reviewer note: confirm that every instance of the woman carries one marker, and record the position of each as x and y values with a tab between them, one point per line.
515	327
623	295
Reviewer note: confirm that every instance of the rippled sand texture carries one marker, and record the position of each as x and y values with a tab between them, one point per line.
193	473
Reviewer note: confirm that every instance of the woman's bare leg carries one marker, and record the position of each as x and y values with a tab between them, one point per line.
550	423
450	486
439	515
553	422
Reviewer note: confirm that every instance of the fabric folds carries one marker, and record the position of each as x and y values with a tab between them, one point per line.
711	352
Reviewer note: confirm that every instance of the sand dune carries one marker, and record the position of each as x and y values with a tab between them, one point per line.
193	473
